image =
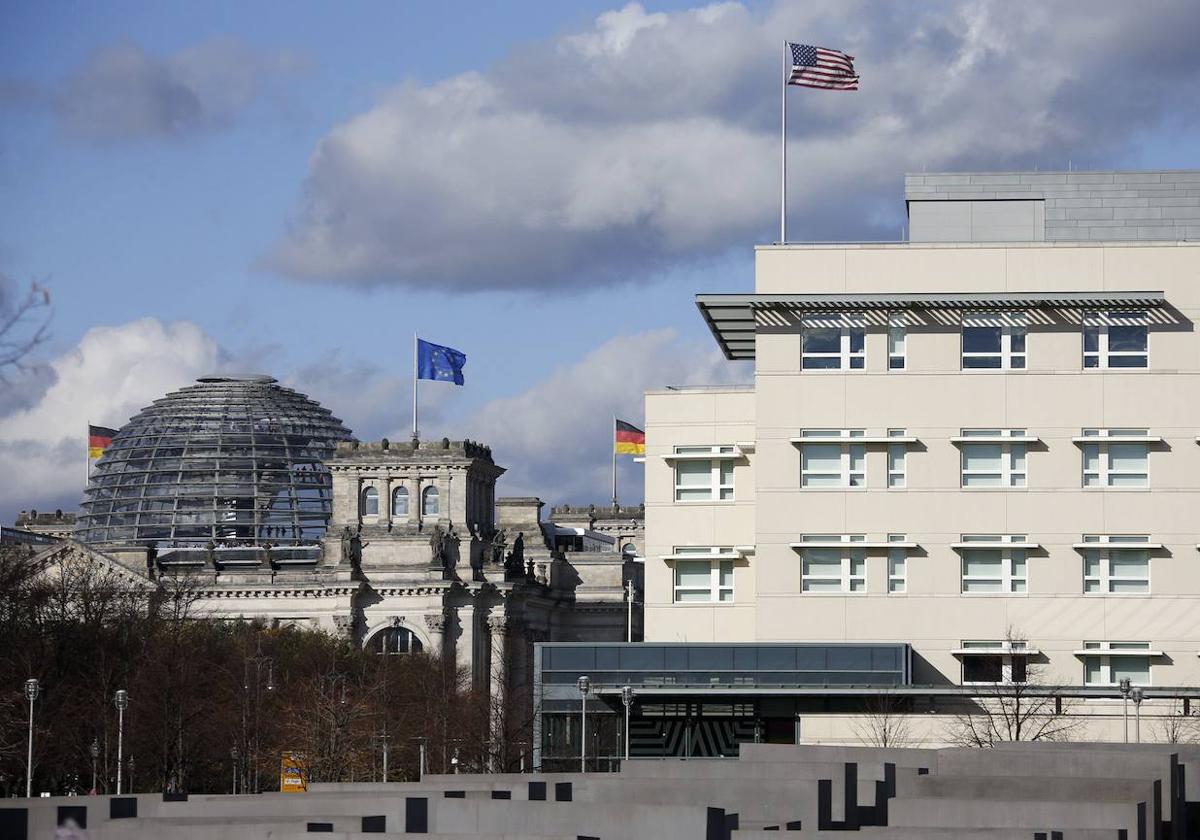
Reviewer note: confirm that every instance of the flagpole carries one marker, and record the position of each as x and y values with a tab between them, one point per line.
783	149
415	388
614	459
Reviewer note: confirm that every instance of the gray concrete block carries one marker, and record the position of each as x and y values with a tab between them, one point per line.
1070	203
1192	212
1158	232
1125	201
1137	212
1137	177
1090	177
1043	177
1114	234
1175	200
1090	213
1006	179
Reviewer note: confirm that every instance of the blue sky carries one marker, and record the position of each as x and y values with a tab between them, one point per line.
543	185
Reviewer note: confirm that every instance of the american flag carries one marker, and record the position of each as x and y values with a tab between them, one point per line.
817	67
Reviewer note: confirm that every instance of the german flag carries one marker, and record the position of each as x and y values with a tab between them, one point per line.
628	439
99	438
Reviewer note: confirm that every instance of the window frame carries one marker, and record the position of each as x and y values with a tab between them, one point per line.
897	342
431	492
369	493
897	558
1014	329
717	486
718	562
1104	471
850	581
1009	452
852	329
851	454
897	453
1014	652
1105	548
400	492
1099	322
1105	664
1009	557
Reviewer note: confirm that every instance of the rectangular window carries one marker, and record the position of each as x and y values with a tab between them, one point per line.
832	464
993	464
1116	463
706	579
1115	661
1117	566
703	480
833	342
833	569
992	568
897	566
897	461
993	340
1115	340
897	340
998	662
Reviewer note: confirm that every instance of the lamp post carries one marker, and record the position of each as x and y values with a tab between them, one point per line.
584	684
1136	695
1125	685
383	743
627	699
121	701
259	661
32	688
233	757
95	751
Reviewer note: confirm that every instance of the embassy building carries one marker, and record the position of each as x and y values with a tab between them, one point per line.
966	478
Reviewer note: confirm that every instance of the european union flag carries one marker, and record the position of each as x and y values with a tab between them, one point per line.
442	364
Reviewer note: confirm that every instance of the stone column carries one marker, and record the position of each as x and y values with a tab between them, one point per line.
435	623
465	644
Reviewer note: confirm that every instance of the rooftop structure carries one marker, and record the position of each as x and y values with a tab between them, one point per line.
231	460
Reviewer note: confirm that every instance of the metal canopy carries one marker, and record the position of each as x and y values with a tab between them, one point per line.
731	317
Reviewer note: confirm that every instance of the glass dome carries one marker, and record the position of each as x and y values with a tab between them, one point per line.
232	460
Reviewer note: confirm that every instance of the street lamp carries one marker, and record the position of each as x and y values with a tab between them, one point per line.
627	699
121	701
1136	695
630	594
383	742
31	691
233	756
584	684
95	750
1125	684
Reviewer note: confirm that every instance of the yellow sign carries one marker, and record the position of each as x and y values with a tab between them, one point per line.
293	774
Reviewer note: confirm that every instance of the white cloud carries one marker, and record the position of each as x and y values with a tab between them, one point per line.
112	374
123	92
650	139
556	437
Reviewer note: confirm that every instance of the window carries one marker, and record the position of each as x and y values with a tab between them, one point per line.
897	339
897	566
896	460
832	464
1115	340
832	342
993	340
400	502
994	463
989	567
996	662
827	569
429	501
708	580
1116	463
1115	661
704	480
1117	566
369	502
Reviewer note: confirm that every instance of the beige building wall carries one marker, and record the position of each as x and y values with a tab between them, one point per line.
933	399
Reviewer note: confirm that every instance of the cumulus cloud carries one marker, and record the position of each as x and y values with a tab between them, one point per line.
556	437
123	92
652	139
112	374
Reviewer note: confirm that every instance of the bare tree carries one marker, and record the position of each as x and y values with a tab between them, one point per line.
1028	709
1175	727
885	722
24	321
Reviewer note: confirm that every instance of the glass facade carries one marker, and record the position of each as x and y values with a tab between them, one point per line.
235	461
